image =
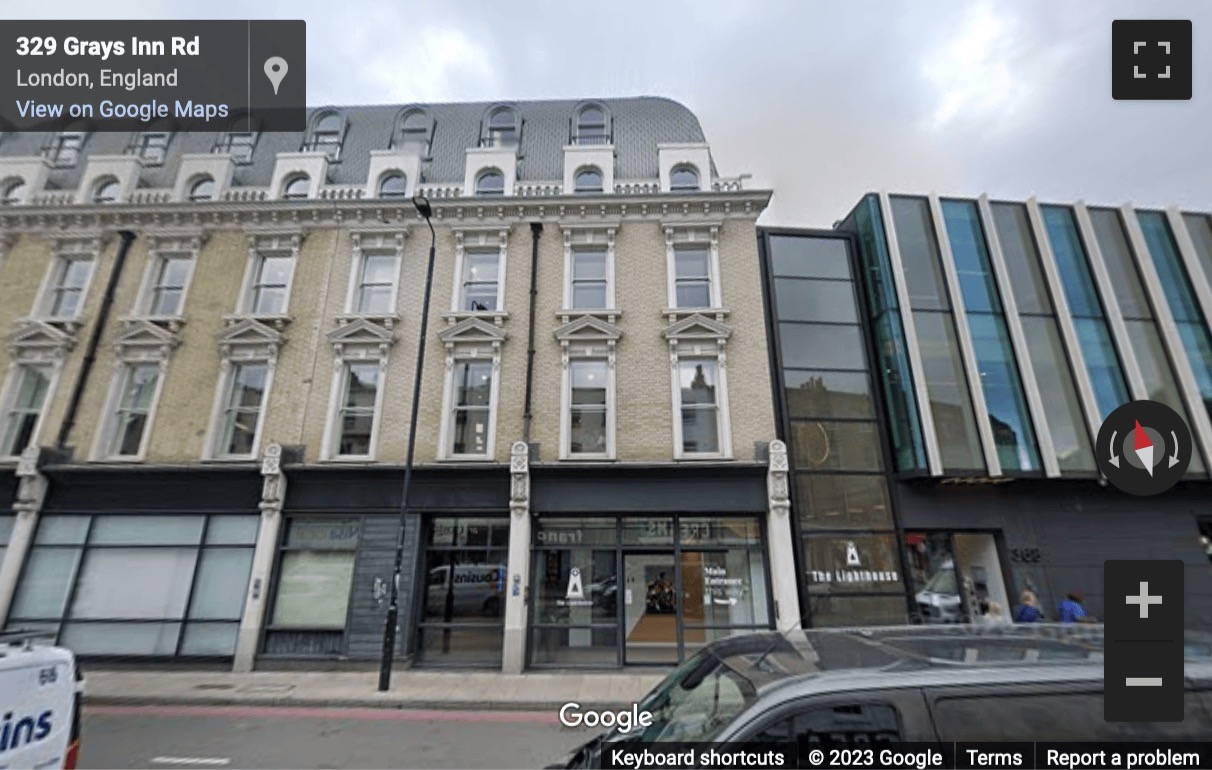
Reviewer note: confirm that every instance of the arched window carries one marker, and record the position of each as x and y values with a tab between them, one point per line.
106	191
326	135
202	189
684	178
414	131
503	129
14	189
588	180
393	185
490	182
295	188
239	140
592	127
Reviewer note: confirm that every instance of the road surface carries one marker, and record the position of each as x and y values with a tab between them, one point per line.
243	737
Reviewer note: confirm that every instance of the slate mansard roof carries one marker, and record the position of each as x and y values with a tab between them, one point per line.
637	125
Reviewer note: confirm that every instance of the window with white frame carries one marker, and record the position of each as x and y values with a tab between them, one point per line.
589	277
271	282
68	284
132	411
589	416
171	271
203	189
471	408
326	136
699	405
106	191
481	279
297	188
240	419
684	178
357	409
26	399
414	131
238	144
376	290
692	275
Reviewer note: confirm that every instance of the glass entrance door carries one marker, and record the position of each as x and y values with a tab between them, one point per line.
651	607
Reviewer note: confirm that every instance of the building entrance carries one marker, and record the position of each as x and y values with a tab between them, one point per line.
651	608
957	577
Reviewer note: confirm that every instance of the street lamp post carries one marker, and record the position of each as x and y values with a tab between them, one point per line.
393	607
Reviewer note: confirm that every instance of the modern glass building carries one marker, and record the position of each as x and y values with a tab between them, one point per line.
942	368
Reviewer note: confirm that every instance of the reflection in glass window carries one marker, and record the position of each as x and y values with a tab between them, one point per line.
1155	369
27	399
827	445
1102	364
472	407
481	271
947	385
1200	228
134	409
169	288
1121	266
822	346
692	276
463	599
923	273
815	393
837	501
72	277
1062	409
377	284
588	413
269	289
901	400
1021	257
800	299
852	564
699	406
242	417
804	257
589	279
356	420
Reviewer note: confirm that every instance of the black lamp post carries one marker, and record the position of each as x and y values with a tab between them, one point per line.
393	607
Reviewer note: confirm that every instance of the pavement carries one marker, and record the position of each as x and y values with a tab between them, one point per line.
410	689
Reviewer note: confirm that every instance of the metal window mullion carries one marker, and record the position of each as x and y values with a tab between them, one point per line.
1197	411
1018	339
912	349
1111	308
1064	319
1201	284
976	391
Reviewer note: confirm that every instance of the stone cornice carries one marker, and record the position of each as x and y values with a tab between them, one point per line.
604	210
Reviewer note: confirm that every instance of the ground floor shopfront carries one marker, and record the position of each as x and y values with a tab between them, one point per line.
283	565
966	552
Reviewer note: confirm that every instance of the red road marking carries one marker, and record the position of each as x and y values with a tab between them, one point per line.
296	712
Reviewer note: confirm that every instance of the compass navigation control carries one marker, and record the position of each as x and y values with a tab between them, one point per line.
1144	448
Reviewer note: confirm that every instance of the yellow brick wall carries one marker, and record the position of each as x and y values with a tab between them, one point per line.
300	398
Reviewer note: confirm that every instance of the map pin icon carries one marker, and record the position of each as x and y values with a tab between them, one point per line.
275	70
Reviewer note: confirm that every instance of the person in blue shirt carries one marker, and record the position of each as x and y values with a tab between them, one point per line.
1072	609
1028	610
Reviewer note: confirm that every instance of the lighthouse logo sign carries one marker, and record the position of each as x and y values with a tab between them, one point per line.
575	589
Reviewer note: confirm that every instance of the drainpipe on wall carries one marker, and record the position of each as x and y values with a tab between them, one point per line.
536	232
90	354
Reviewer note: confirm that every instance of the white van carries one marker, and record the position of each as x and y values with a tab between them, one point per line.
471	589
41	688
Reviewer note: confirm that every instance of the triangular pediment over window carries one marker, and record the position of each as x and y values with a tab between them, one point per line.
143	339
40	340
588	328
250	336
473	330
698	327
362	331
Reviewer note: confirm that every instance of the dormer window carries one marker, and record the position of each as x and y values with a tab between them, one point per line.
326	135
415	132
588	180
503	128
106	191
238	144
65	148
393	185
592	126
152	146
296	188
684	178
14	191
490	182
202	190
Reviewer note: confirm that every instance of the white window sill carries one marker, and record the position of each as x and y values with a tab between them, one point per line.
497	316
675	313
243	459
350	460
388	320
703	458
278	321
119	460
594	459
479	459
565	315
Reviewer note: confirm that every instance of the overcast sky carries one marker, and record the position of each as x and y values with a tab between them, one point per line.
820	101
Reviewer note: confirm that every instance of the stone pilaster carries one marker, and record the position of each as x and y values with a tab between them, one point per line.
31	491
517	590
780	541
273	494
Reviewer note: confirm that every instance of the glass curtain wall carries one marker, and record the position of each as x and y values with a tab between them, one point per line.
1013	433
841	498
1176	284
946	379
1058	393
893	365
1102	362
1143	332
